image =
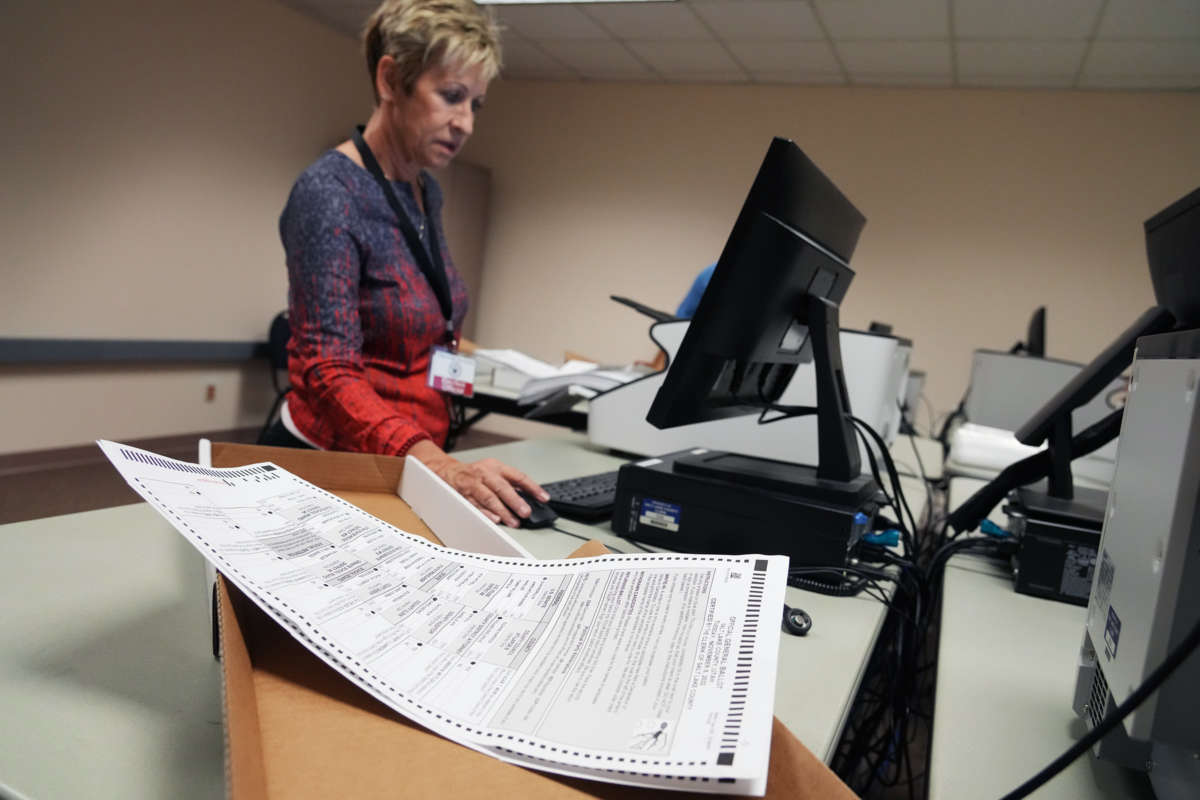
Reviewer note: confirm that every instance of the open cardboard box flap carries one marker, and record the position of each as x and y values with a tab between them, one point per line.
296	728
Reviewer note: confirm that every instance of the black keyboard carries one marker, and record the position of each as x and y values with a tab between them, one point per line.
587	497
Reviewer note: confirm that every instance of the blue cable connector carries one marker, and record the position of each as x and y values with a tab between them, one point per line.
888	538
992	529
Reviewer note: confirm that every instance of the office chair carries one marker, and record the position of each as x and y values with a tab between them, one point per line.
277	359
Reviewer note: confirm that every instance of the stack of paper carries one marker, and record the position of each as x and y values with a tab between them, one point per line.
587	383
980	451
649	669
512	369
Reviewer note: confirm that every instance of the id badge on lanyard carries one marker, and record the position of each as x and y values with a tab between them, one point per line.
451	372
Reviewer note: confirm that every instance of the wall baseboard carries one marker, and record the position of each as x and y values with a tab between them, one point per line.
181	446
87	351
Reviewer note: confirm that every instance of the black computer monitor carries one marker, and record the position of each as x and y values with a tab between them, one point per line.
771	305
1173	254
1035	335
1173	250
1051	423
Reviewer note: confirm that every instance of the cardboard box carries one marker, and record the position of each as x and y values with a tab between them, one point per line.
295	728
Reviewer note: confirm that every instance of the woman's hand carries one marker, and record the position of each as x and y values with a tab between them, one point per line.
489	484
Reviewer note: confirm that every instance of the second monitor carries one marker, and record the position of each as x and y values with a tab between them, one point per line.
771	305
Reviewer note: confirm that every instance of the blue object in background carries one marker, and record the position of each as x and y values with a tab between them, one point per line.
691	301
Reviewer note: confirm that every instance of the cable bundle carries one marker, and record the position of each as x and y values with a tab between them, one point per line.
894	705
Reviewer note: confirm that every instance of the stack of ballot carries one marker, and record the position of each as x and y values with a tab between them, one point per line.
584	384
512	369
654	670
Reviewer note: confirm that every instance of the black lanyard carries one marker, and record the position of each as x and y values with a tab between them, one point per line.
428	259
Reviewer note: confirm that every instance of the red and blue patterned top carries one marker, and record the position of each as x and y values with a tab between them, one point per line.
363	316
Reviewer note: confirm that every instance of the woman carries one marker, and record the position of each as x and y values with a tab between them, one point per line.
368	300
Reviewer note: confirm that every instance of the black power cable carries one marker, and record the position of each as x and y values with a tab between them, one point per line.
896	667
892	707
896	498
1152	682
928	579
609	547
924	475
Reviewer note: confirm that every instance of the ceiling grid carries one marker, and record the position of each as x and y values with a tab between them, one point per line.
1079	44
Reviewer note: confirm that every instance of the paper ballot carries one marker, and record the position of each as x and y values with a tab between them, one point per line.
649	669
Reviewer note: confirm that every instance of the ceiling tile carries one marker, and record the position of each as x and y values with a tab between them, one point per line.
759	19
1160	82
663	21
706	77
1017	81
624	77
684	56
786	56
1143	58
1162	19
896	58
550	22
1025	19
1024	59
871	19
1141	44
524	57
595	59
901	81
807	79
541	75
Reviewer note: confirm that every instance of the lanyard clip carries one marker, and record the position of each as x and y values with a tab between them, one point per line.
451	339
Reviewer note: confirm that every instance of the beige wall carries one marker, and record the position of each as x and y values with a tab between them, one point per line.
465	212
147	151
149	148
981	205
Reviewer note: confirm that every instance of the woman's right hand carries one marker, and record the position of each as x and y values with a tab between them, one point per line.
490	485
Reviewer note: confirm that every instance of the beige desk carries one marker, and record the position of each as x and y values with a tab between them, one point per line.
1005	680
914	454
960	490
107	681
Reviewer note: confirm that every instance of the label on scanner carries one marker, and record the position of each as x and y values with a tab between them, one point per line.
659	514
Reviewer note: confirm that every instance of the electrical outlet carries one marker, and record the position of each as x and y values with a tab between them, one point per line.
210	393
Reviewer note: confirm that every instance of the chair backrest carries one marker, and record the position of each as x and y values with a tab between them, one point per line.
277	340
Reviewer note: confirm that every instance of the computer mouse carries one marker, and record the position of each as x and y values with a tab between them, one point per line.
540	514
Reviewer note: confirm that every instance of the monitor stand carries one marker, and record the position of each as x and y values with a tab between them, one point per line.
1057	528
795	480
708	501
1057	500
837	479
1084	511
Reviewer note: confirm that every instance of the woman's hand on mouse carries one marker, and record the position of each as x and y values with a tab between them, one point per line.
490	485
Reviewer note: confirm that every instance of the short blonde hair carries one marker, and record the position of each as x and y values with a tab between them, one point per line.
421	33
